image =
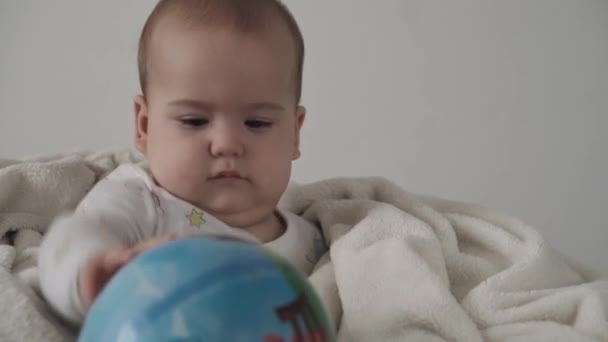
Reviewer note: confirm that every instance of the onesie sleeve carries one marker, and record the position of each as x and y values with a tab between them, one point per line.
115	212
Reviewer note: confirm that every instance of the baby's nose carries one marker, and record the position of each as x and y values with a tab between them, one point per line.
226	142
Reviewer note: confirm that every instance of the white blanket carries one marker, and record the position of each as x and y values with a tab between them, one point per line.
401	267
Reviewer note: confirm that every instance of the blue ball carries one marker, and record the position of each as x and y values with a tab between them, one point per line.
207	289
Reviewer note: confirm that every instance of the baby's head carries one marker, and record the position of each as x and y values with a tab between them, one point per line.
219	119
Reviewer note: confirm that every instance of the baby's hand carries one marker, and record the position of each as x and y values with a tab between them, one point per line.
99	269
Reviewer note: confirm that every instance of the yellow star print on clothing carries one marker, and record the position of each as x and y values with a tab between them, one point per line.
196	218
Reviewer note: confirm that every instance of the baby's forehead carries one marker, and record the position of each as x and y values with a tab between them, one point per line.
172	39
172	33
222	63
173	27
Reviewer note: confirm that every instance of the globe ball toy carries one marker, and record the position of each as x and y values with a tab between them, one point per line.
207	289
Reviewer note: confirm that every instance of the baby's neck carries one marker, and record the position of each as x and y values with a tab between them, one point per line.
269	229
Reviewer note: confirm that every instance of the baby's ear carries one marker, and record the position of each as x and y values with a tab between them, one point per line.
299	122
141	122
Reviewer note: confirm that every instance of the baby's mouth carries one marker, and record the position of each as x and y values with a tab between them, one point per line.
227	175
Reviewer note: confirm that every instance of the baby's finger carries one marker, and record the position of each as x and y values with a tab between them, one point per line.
117	258
92	278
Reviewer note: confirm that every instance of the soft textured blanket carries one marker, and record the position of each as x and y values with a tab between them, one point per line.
400	266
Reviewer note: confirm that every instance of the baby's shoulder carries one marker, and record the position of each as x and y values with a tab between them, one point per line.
129	176
129	173
126	181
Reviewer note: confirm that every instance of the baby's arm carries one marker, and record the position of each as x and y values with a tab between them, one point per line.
112	216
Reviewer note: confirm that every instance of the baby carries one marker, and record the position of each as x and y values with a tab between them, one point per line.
219	124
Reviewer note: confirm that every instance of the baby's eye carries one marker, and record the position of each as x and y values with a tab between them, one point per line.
257	124
194	122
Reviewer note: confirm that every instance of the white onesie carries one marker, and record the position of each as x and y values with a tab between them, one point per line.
127	207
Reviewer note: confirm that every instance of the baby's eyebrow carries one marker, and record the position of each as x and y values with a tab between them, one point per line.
270	106
208	107
201	105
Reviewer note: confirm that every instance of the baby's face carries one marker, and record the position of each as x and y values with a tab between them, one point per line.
220	125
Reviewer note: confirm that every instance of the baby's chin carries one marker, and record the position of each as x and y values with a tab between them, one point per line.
238	211
227	204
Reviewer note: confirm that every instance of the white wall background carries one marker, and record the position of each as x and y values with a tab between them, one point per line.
502	103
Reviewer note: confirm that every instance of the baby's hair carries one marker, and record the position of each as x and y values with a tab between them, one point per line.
243	15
